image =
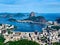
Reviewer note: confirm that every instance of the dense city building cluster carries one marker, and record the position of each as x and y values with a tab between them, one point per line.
49	34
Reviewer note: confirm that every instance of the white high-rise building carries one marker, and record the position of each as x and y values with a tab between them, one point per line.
0	31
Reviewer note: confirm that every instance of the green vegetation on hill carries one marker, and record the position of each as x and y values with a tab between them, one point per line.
1	43
22	42
56	43
37	19
56	27
1	38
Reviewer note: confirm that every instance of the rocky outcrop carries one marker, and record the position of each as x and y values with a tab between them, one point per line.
32	17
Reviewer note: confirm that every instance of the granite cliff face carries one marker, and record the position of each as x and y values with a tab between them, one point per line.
32	17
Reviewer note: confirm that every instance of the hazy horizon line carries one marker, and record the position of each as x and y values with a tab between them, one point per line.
29	12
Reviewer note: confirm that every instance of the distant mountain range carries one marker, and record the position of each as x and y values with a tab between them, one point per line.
32	17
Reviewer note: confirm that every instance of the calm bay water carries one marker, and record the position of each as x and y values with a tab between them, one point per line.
27	27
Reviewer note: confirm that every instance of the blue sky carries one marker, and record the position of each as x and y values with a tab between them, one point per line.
24	6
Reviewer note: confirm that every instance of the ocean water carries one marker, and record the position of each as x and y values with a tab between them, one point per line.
27	27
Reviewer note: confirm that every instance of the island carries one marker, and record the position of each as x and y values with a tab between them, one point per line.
34	18
31	19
